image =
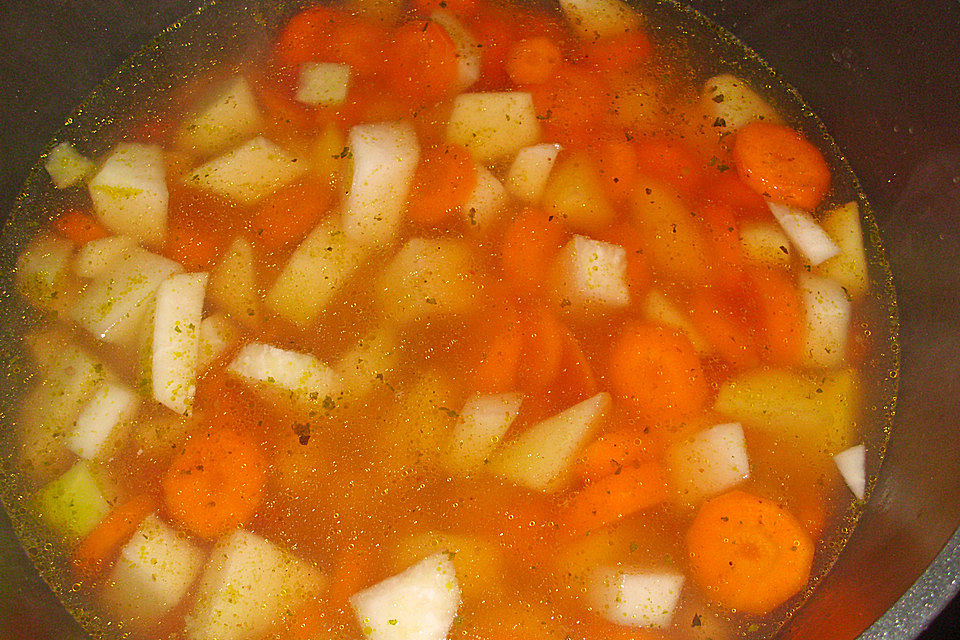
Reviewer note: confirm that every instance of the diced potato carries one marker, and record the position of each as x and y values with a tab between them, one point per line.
843	398
385	157
530	170
592	275
494	126
468	49
709	462
96	256
233	282
42	269
176	340
635	598
67	166
282	375
228	117
217	336
429	279
731	103
540	458
129	193
658	309
413	433
575	193
640	101
73	504
486	203
113	305
375	356
323	84
249	172
849	268
249	587
828	313
153	573
418	604
595	19
477	562
481	424
317	270
104	418
852	464
765	244
671	237
805	234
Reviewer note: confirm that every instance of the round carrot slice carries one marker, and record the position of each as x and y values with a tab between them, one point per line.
748	553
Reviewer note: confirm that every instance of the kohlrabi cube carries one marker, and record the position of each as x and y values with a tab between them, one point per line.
597	19
635	598
849	268
218	334
233	282
323	84
828	314
73	504
129	192
592	275
96	256
375	356
286	376
480	426
709	462
227	117
176	340
765	244
486	202
67	166
530	170
42	269
468	49
248	172
494	126
103	419
730	103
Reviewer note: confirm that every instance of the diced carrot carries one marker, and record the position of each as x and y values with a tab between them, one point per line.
288	214
287	114
611	452
576	372
747	553
596	627
445	178
571	105
78	227
658	372
192	246
778	162
301	36
501	349
533	61
610	498
617	166
100	545
461	8
351	573
542	355
496	31
727	188
530	244
723	236
230	404
616	53
729	336
672	162
781	315
413	47
358	42
309	622
215	483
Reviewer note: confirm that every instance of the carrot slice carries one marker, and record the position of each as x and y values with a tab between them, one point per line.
100	545
288	214
613	451
672	162
615	496
530	243
780	163
78	227
615	53
723	236
542	356
571	105
445	178
576	372
727	188
215	483
309	622
192	246
501	350
533	61
301	36
748	553
658	372
496	31
617	166
419	45
781	312
727	334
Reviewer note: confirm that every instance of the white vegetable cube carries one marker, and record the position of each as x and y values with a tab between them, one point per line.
467	47
217	336
494	126
284	374
481	424
102	419
418	604
233	282
593	19
731	102
485	204
828	312
129	192
67	166
153	573
249	587
427	279
852	464
176	340
249	172
322	264
530	169
323	84
41	269
73	504
114	304
225	119
849	268
811	241
96	256
634	598
541	457
385	157
592	275
765	244
710	462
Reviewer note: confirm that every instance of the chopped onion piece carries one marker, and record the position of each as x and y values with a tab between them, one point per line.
635	599
852	464
811	241
487	201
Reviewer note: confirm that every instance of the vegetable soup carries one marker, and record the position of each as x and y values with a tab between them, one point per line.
454	319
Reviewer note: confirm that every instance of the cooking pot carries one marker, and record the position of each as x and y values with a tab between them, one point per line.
881	76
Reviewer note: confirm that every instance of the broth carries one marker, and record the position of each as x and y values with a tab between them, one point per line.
583	308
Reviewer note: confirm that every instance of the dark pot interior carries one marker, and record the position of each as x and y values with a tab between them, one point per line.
883	79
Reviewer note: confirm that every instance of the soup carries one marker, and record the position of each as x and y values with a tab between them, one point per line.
453	319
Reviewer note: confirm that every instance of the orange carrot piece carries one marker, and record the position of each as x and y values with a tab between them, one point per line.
530	243
542	356
616	53
615	496
215	483
445	178
533	61
309	622
496	31
78	227
300	38
780	163
193	247
100	545
419	45
747	553
501	349
673	162
723	236
658	372
617	166
288	214
781	312
577	374
727	188
571	105
350	574
612	452
287	113
728	335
